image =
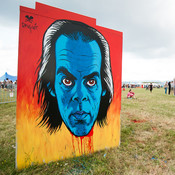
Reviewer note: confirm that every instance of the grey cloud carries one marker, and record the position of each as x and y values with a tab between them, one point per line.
9	12
147	25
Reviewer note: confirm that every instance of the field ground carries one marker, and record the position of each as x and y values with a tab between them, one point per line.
147	141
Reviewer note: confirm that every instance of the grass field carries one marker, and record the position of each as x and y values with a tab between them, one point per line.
147	141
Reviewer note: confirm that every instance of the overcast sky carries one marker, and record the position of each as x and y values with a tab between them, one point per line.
148	28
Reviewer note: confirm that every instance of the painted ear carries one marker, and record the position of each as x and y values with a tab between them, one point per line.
104	92
52	93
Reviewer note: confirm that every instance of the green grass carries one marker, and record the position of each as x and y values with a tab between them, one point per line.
147	147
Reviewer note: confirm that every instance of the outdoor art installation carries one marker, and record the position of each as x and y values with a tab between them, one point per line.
69	86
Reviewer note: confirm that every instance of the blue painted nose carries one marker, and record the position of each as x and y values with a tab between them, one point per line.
80	94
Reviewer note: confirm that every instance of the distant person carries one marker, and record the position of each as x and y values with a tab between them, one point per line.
172	86
130	94
166	87
169	87
151	87
5	84
10	85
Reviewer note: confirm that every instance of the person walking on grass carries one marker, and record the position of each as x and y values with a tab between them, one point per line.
169	88
151	87
166	87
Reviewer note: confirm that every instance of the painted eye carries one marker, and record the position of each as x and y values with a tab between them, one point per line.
67	82
91	82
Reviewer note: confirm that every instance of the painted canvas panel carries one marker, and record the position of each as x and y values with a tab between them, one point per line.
69	86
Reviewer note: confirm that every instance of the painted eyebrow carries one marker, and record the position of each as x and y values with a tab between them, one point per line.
93	55
91	75
66	72
62	53
65	50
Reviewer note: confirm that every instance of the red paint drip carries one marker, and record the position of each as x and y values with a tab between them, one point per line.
90	141
78	145
80	140
73	142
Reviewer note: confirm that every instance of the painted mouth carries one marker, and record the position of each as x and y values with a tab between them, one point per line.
80	115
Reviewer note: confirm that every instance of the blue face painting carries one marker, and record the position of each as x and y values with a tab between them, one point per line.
78	86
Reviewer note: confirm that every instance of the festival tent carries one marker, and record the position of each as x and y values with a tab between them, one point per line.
10	77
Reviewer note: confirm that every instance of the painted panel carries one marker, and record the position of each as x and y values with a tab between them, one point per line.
69	86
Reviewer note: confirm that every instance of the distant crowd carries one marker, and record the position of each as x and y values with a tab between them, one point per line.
168	86
147	86
8	84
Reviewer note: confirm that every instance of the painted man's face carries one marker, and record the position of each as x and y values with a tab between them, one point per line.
78	86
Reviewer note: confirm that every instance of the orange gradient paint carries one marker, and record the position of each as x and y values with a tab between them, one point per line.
34	143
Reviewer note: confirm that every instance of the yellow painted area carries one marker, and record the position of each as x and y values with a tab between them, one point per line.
36	145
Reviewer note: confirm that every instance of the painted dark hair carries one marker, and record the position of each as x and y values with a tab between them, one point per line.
50	115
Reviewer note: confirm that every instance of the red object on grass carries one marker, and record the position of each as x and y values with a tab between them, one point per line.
138	121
